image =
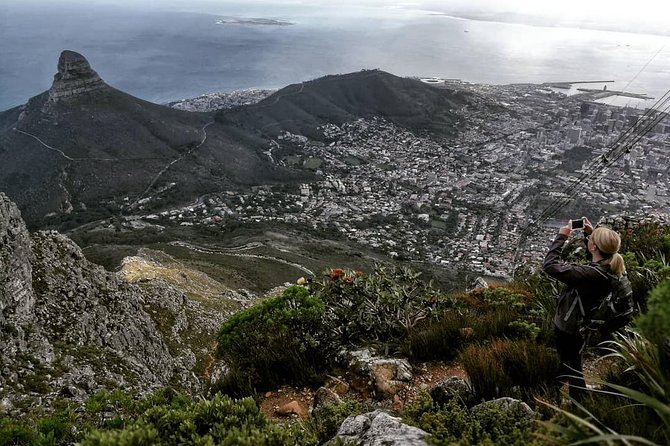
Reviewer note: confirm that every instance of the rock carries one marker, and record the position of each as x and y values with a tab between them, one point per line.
16	294
337	385
74	77
388	375
378	428
292	408
359	360
5	406
479	283
325	396
219	371
452	387
507	404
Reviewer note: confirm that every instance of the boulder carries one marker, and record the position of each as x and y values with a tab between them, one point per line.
337	385
17	298
453	387
378	428
387	375
324	395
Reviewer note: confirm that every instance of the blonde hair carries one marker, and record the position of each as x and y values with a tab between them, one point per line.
608	242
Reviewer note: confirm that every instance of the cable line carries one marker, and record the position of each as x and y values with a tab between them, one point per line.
600	164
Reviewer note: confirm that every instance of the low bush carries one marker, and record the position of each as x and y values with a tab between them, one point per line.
16	433
453	424
279	341
506	367
326	419
647	240
441	338
220	421
383	307
494	323
655	323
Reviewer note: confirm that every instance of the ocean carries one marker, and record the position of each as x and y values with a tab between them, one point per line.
163	52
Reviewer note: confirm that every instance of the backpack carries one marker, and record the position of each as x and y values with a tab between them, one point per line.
612	313
616	310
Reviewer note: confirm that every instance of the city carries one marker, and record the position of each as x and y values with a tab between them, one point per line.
461	202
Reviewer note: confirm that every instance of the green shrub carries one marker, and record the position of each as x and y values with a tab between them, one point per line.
279	341
542	305
496	368
140	435
326	419
101	404
510	312
384	306
47	430
15	433
502	297
219	421
57	428
655	324
647	240
453	424
524	330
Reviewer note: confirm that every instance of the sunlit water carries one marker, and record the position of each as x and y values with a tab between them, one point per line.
162	54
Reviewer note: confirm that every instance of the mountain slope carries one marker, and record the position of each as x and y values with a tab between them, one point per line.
87	149
83	141
70	328
336	99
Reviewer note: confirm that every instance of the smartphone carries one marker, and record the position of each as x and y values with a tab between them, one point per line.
578	224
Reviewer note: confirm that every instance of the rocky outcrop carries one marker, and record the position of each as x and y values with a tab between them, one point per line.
20	336
388	375
75	76
16	293
69	328
378	428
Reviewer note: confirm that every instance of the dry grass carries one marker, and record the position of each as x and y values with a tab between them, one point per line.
192	282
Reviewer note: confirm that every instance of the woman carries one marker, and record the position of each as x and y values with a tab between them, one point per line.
586	287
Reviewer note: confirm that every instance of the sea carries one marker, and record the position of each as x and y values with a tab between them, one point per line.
163	51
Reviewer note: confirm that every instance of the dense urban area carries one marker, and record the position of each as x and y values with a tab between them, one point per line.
461	202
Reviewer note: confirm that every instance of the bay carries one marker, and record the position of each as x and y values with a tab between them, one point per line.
163	52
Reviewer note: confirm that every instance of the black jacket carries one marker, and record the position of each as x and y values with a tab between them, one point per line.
591	285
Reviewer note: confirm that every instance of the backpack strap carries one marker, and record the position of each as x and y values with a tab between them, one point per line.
602	271
575	302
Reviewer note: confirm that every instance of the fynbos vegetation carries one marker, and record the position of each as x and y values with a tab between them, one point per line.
501	336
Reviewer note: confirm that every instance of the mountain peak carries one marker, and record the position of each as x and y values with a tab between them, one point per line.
75	76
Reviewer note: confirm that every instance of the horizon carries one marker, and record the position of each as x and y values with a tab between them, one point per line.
647	17
134	47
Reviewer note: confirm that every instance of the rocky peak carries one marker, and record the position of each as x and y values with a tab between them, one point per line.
75	76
